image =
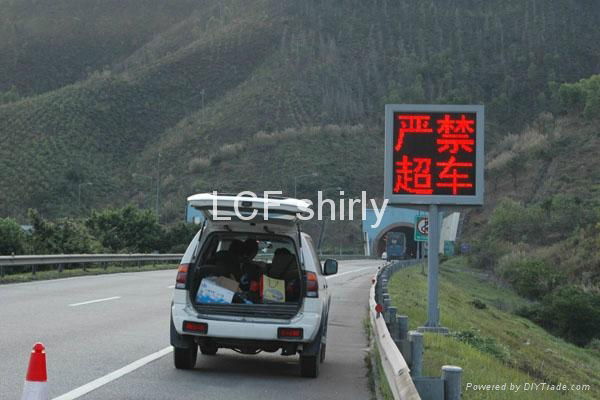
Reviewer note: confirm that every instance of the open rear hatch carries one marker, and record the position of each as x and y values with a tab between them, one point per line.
248	268
279	210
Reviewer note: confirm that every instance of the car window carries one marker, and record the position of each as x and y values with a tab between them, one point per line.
267	245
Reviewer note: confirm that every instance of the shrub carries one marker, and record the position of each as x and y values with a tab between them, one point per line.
487	251
12	238
126	229
571	97
594	345
483	343
64	236
530	277
581	97
513	222
176	238
564	214
568	312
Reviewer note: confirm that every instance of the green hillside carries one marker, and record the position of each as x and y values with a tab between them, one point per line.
491	343
45	45
94	91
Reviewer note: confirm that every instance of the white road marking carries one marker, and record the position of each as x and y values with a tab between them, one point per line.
94	301
170	287
95	384
347	272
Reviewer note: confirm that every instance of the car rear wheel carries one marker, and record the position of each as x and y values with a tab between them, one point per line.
309	366
309	363
208	349
185	358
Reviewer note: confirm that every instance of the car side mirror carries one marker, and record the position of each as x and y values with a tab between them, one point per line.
330	267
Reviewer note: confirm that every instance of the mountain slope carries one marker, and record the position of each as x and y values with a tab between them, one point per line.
193	84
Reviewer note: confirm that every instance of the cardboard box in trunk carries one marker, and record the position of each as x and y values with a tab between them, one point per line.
216	290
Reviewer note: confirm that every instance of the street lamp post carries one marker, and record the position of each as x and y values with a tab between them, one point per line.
314	174
158	187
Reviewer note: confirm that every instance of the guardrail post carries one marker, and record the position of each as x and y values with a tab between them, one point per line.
451	376
386	303
393	326
416	346
402	323
61	267
33	269
1	271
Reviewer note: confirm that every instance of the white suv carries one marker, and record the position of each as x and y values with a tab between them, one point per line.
251	284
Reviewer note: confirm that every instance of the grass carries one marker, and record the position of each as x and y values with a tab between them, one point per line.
490	343
68	273
380	379
378	384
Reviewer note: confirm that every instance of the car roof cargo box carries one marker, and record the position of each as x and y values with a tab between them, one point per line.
280	209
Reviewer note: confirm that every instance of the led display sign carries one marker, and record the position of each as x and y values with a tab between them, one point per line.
434	154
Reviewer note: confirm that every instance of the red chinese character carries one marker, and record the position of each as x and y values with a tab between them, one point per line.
451	175
412	124
455	134
413	176
464	125
445	125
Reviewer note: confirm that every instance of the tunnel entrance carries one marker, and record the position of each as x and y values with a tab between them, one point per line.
409	232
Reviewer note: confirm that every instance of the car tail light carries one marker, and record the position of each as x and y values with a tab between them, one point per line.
290	333
312	285
181	276
196	327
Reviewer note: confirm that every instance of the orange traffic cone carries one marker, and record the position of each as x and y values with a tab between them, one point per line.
36	386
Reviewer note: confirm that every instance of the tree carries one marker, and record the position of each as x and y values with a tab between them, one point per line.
572	313
64	236
12	238
177	237
126	229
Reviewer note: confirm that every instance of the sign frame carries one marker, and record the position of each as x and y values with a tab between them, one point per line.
418	199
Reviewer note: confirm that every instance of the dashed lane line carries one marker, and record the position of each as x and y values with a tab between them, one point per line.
83	303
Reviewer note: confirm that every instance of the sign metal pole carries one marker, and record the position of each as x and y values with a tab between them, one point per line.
433	240
432	268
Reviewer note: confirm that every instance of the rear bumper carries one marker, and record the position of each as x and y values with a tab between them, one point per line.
246	328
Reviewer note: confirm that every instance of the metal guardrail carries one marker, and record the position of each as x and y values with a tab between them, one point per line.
61	260
395	367
56	259
401	348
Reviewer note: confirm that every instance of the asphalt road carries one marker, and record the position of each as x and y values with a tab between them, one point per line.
118	325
